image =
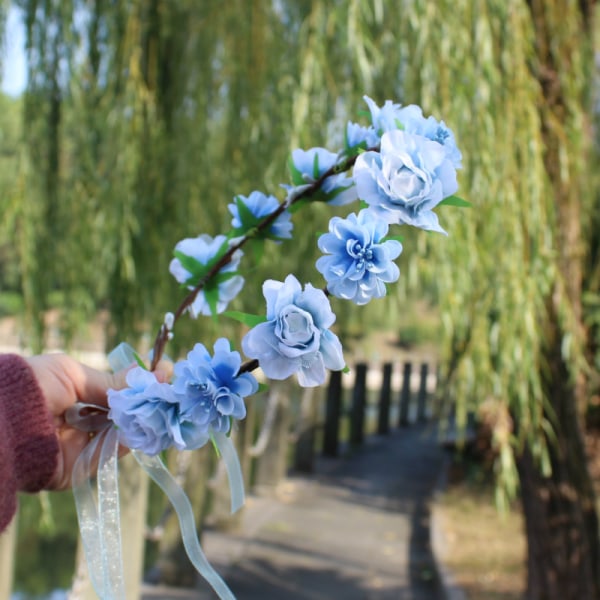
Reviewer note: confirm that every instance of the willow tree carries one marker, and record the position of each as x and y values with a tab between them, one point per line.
514	78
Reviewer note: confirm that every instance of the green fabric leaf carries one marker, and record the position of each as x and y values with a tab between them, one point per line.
221	277
189	263
295	174
139	361
336	192
215	445
245	318
455	201
211	293
248	219
316	166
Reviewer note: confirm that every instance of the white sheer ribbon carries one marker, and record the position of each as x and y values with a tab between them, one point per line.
99	518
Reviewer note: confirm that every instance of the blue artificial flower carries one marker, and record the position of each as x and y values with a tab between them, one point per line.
308	165
147	414
384	118
259	205
359	264
403	182
210	390
201	251
410	118
357	135
296	337
413	121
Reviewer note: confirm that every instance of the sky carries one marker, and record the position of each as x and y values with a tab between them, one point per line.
13	55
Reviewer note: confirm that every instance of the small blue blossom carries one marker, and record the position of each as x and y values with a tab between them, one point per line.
408	178
202	250
147	414
410	118
413	121
384	118
296	337
260	205
309	165
360	264
210	390
357	135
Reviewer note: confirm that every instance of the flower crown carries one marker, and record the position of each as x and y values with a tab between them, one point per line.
400	167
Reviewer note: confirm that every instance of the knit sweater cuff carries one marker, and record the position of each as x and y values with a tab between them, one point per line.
28	444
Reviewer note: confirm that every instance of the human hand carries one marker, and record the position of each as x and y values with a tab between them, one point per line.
63	382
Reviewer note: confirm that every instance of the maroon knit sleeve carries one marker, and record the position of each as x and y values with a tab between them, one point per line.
28	444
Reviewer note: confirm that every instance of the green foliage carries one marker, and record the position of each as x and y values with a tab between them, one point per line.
11	304
501	269
168	112
46	544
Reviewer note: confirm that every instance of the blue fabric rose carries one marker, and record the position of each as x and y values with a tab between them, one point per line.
296	337
391	116
256	206
403	182
359	264
201	251
147	414
308	165
413	121
210	390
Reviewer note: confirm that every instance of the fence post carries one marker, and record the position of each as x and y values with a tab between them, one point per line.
304	454
8	542
333	412
359	403
422	397
246	433
405	395
383	424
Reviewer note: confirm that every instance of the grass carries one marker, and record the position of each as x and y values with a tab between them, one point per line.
484	550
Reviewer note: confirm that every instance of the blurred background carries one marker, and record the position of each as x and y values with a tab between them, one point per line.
127	126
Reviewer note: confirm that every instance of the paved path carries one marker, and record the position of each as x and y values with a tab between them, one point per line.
356	530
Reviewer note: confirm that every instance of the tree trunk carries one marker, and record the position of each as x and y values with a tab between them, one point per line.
560	513
560	510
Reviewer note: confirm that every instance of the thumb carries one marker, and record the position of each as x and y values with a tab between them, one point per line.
92	385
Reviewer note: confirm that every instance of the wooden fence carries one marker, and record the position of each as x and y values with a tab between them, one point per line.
372	405
286	428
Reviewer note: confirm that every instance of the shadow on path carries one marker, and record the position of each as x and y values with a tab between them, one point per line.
358	529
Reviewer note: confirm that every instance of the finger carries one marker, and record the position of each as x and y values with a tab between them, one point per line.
72	443
164	371
91	385
94	384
